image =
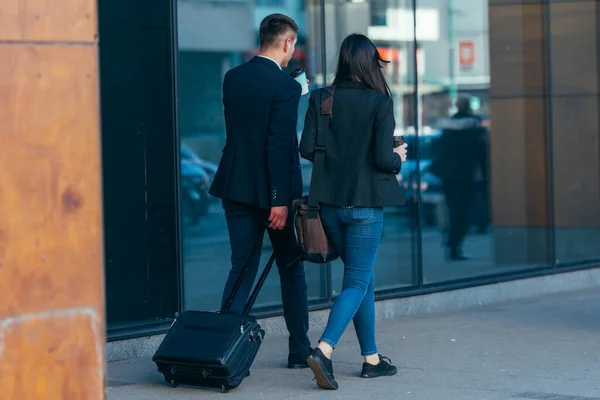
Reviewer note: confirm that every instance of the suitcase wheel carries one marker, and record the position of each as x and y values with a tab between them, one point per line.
224	389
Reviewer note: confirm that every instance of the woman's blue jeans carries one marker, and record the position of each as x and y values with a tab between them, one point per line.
355	234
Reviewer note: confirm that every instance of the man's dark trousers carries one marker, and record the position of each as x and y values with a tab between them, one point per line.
247	225
459	199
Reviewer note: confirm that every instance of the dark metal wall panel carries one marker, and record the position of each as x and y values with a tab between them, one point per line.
139	158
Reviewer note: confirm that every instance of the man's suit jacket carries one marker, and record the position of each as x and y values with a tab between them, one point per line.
460	152
260	163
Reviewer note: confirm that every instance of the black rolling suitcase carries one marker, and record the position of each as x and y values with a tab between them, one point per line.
213	349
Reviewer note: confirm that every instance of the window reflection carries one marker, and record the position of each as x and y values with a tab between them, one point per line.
215	36
395	259
478	183
477	218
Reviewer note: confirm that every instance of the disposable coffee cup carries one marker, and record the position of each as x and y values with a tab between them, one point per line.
398	141
300	76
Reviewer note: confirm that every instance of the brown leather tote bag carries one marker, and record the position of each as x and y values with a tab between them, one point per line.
311	236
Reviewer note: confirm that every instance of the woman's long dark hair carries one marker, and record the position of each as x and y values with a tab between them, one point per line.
360	61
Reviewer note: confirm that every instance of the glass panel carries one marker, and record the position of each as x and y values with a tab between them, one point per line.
576	155
208	47
484	192
138	168
394	265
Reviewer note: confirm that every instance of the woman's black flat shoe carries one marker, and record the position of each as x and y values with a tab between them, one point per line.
384	368
322	367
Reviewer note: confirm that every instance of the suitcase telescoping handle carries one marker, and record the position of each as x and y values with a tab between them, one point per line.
259	285
261	281
240	279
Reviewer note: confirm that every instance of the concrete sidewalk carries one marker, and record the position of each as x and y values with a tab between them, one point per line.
541	349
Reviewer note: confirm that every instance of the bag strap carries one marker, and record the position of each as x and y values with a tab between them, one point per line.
325	111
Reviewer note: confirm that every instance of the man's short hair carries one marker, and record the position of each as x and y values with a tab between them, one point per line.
463	103
273	27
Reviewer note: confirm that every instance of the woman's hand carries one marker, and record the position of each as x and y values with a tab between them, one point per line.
401	151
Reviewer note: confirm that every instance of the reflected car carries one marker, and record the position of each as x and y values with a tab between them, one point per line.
196	178
432	197
194	193
188	154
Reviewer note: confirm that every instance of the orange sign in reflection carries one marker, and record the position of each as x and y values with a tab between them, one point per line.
389	54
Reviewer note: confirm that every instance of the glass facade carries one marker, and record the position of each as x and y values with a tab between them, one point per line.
574	125
520	189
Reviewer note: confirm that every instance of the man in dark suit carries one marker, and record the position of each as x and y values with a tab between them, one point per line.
259	175
460	164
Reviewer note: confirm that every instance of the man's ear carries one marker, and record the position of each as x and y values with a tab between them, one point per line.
287	44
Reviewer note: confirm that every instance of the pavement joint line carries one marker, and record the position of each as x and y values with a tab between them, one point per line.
550	396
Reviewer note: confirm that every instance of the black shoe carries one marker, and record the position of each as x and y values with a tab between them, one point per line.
457	255
384	368
298	360
323	369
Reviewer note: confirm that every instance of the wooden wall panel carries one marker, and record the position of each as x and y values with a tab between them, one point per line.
51	253
516	50
518	115
520	132
576	161
574	48
518	163
545	103
575	65
44	20
576	132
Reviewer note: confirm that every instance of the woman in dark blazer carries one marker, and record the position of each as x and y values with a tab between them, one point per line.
358	180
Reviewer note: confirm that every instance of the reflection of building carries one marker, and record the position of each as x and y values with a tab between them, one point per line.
452	51
203	61
212	46
543	143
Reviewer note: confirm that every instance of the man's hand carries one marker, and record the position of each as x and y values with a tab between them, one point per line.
401	151
278	218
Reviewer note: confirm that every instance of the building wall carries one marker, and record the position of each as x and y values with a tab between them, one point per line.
544	87
51	253
535	206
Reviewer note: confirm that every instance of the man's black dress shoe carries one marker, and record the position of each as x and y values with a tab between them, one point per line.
298	360
456	255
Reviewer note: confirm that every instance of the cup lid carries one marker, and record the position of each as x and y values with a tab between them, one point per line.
297	72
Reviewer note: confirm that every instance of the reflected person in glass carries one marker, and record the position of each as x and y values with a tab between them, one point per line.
460	163
358	180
